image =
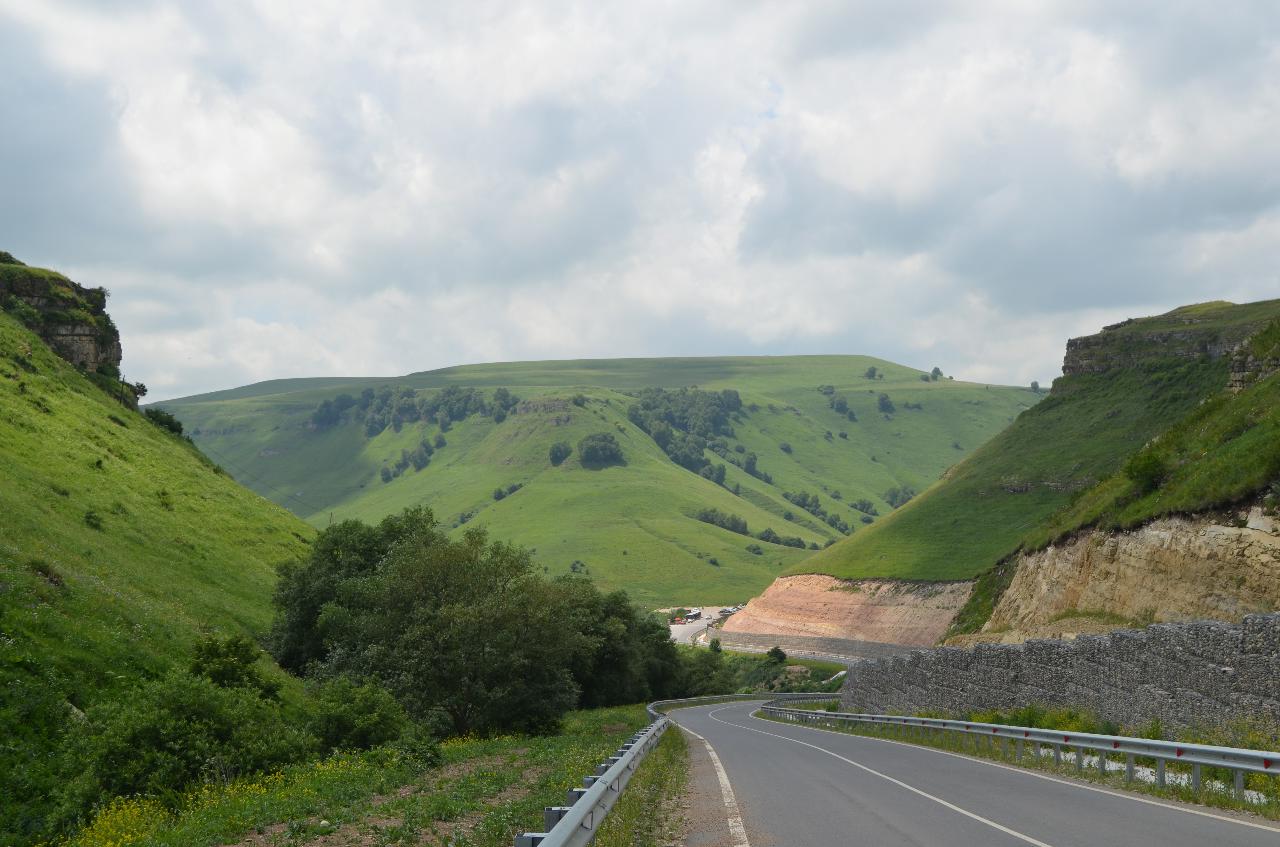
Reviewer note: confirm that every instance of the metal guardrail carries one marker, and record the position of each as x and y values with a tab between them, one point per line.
1032	740
575	824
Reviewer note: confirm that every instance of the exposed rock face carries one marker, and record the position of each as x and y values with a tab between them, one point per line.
821	606
1247	368
70	318
1183	334
1184	674
1173	569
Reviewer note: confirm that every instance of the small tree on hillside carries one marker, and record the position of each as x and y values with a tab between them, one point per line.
872	372
775	654
599	450
1035	386
936	373
886	405
559	452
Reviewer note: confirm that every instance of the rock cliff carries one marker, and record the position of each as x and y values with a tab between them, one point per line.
70	318
1174	569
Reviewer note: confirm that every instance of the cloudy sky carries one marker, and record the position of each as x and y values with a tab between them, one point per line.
283	188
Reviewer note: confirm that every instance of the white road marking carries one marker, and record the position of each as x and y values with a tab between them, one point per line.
952	806
736	829
1120	795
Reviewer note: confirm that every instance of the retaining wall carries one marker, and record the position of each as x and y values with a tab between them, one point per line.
1184	674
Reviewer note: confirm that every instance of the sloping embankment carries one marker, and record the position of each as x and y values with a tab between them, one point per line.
820	606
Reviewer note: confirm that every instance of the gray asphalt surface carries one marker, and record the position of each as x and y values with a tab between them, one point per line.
802	787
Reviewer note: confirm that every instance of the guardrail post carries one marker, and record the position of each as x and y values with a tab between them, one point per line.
574	795
1238	779
1017	750
530	839
1195	778
1102	762
1057	755
1079	760
1160	772
551	815
1128	767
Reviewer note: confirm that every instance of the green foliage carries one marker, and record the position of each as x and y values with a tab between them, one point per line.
559	452
232	663
599	450
684	422
7	259
346	715
1146	470
885	405
898	496
428	617
163	419
715	517
173	733
776	654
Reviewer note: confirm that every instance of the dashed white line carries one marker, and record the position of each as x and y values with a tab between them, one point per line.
952	806
736	829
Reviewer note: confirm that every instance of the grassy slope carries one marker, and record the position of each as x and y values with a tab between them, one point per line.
84	611
1007	492
259	433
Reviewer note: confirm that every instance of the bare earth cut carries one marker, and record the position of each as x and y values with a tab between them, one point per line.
822	606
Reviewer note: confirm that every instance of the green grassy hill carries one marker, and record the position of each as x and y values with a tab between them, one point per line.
1121	389
119	547
630	526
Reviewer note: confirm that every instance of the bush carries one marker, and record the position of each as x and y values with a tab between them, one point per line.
899	496
93	520
175	732
347	716
1147	471
775	654
785	447
164	420
885	405
600	450
559	452
231	663
755	549
715	517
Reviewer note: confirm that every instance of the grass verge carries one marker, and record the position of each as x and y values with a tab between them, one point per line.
481	794
648	813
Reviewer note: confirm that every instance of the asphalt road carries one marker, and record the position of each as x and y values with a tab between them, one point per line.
799	787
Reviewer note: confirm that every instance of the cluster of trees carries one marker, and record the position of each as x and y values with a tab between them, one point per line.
447	625
812	504
767	534
733	523
163	419
899	495
862	504
600	449
417	458
395	407
503	493
686	421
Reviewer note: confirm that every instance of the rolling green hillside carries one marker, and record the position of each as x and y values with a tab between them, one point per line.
1121	388
119	546
632	526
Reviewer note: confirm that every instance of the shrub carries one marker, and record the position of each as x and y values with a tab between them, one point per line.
871	372
899	496
843	434
715	517
93	520
755	549
344	715
559	452
231	663
775	654
174	732
600	450
885	405
439	441
785	447
1147	471
163	419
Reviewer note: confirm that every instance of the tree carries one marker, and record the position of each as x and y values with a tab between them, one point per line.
600	450
715	645
885	404
775	654
872	372
1035	386
1147	471
936	373
231	663
559	452
785	447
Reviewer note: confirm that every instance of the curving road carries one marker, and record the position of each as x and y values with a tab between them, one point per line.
794	786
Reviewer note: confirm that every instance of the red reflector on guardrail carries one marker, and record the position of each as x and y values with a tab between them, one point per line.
1266	764
1178	753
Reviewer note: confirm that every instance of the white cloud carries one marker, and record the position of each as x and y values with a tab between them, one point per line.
303	188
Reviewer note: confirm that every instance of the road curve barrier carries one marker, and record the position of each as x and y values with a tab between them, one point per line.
1039	743
576	823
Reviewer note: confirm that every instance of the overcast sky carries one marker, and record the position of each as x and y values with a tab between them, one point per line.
278	189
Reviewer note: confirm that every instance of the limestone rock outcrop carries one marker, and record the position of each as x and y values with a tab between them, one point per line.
70	318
